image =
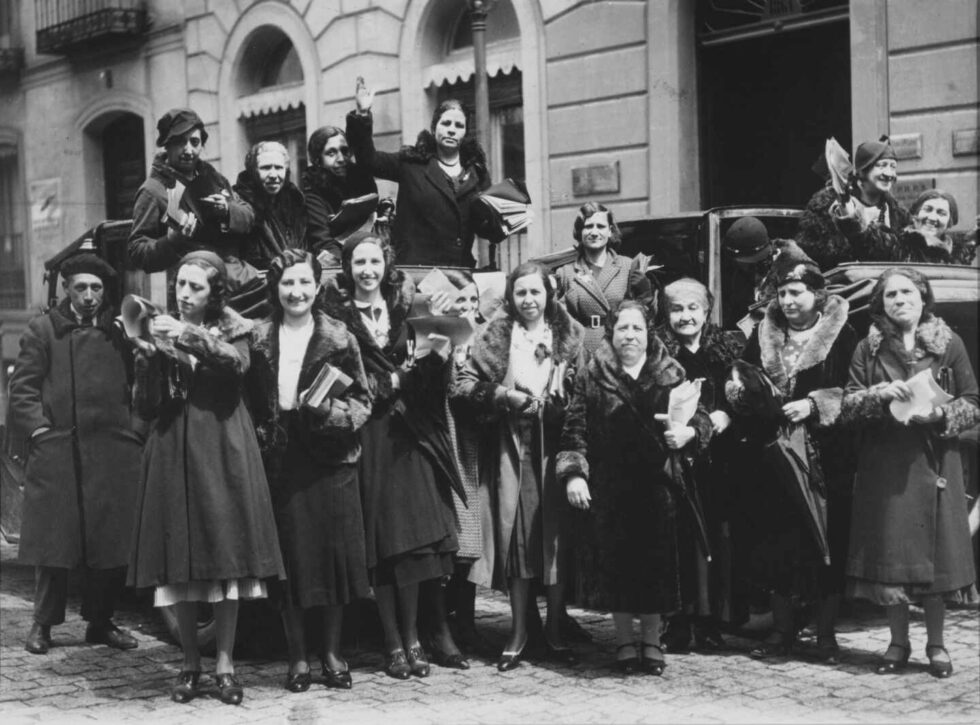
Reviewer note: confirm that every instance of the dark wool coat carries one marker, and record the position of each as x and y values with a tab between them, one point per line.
82	475
619	449
204	510
906	529
149	248
406	493
279	222
433	222
480	391
590	299
830	241
775	540
910	246
325	193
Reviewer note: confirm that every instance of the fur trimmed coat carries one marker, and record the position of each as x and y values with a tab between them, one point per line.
911	246
82	473
279	222
632	549
908	528
433	222
204	509
780	553
325	193
830	240
479	389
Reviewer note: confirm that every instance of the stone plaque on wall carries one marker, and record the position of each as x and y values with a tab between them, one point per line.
597	179
966	142
906	190
907	145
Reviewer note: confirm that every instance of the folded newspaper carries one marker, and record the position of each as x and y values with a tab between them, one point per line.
330	382
684	402
508	209
926	395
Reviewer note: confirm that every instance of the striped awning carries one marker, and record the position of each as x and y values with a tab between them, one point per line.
502	57
272	100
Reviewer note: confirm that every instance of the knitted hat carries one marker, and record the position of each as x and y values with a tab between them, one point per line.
176	122
87	263
792	264
871	152
747	240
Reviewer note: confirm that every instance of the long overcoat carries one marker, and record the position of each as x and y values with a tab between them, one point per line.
479	388
82	475
908	529
204	510
433	222
610	438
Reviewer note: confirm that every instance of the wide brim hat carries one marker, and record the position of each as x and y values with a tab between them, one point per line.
871	152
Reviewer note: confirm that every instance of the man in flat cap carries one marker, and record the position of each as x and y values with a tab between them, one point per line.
185	204
861	224
70	395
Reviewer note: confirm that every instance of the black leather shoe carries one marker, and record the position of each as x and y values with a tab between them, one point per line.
455	661
888	666
298	681
38	640
417	661
396	665
652	665
676	638
509	659
938	668
337	679
828	650
778	645
186	688
109	634
628	665
229	689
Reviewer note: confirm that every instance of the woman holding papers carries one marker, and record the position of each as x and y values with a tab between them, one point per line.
794	521
613	461
438	180
706	353
910	541
516	378
595	283
205	530
333	177
311	450
407	467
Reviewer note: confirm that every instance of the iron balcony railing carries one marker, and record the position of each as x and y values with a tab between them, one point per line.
67	25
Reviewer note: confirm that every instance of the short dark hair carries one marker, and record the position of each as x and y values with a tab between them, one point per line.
876	306
954	212
450	104
277	268
613	317
345	279
318	141
588	209
218	295
526	269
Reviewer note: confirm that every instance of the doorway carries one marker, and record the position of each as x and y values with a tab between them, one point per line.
768	101
124	164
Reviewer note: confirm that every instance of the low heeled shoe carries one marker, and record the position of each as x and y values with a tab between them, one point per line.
230	690
396	665
298	681
186	687
653	665
456	660
38	640
939	668
627	665
417	661
887	666
337	679
510	659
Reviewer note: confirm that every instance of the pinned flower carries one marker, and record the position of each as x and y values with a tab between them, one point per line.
541	353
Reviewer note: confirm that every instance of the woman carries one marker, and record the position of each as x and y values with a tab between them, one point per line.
910	541
613	461
596	282
516	377
279	221
928	238
438	179
865	224
707	353
332	177
311	460
804	345
205	529
407	469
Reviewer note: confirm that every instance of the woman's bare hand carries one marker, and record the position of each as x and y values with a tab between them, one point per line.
896	390
578	494
166	327
363	96
796	411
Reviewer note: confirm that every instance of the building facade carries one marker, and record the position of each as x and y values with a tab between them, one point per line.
649	106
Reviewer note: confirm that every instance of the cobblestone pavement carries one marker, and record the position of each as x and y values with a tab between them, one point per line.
77	682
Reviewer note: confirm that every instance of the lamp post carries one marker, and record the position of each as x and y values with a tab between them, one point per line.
478	22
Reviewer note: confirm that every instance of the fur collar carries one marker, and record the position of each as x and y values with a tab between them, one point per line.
932	337
340	305
329	338
63	318
660	368
722	347
772	339
232	325
491	349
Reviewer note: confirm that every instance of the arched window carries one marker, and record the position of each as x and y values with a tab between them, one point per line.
270	94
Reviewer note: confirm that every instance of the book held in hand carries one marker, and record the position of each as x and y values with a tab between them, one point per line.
354	212
330	382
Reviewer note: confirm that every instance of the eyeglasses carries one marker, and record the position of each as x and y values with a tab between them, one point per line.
345	150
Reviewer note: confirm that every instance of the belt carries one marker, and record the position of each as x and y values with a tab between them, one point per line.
596	321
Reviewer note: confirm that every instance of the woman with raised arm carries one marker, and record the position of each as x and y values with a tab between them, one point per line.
205	528
438	179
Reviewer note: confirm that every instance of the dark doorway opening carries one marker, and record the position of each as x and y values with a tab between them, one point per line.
768	104
123	154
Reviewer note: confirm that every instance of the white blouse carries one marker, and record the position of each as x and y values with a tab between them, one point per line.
525	370
292	349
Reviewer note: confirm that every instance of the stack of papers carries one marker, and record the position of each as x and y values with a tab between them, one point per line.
509	207
926	395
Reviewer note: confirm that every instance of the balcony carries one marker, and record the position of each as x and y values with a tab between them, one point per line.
11	61
67	26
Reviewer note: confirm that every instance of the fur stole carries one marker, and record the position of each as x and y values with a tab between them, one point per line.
470	152
722	347
491	348
932	337
772	339
660	368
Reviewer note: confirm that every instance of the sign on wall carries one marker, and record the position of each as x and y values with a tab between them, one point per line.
45	203
597	179
907	191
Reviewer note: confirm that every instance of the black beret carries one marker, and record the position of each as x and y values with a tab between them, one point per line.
87	263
